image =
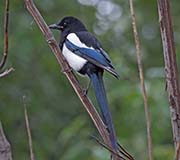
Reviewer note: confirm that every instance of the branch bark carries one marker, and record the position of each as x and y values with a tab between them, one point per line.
5	148
6	72
69	74
171	70
141	76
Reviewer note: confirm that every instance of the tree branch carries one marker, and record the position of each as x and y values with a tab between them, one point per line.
141	76
5	148
6	72
69	74
171	70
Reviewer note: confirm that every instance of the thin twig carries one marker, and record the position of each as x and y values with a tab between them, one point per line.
171	69
6	23
28	129
6	72
139	60
125	153
121	150
69	74
106	147
6	40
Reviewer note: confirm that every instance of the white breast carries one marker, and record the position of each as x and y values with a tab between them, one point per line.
74	61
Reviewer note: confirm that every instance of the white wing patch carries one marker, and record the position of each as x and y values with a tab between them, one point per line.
72	37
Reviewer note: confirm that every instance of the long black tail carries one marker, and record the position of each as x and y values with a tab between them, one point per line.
97	81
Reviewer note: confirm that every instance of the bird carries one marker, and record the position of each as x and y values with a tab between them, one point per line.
85	55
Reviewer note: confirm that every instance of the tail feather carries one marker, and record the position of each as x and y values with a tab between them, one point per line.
97	81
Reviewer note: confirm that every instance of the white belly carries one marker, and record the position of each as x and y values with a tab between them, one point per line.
76	62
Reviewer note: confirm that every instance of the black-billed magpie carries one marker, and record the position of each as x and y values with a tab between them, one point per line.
85	55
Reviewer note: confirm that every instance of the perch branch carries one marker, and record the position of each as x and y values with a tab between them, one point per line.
69	74
171	70
141	76
5	148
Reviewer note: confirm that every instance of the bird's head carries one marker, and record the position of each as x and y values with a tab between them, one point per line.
69	25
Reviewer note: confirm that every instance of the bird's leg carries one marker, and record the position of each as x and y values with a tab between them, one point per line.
87	88
66	70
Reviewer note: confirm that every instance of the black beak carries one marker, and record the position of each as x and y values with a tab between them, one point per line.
55	26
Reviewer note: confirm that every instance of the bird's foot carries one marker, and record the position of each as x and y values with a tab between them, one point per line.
85	92
87	89
51	41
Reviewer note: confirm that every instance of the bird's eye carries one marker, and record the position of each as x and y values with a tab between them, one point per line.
64	24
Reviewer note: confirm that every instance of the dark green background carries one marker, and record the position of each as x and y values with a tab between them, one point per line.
61	128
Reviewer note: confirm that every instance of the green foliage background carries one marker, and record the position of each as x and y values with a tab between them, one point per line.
61	128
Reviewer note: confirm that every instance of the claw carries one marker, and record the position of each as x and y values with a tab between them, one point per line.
85	92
